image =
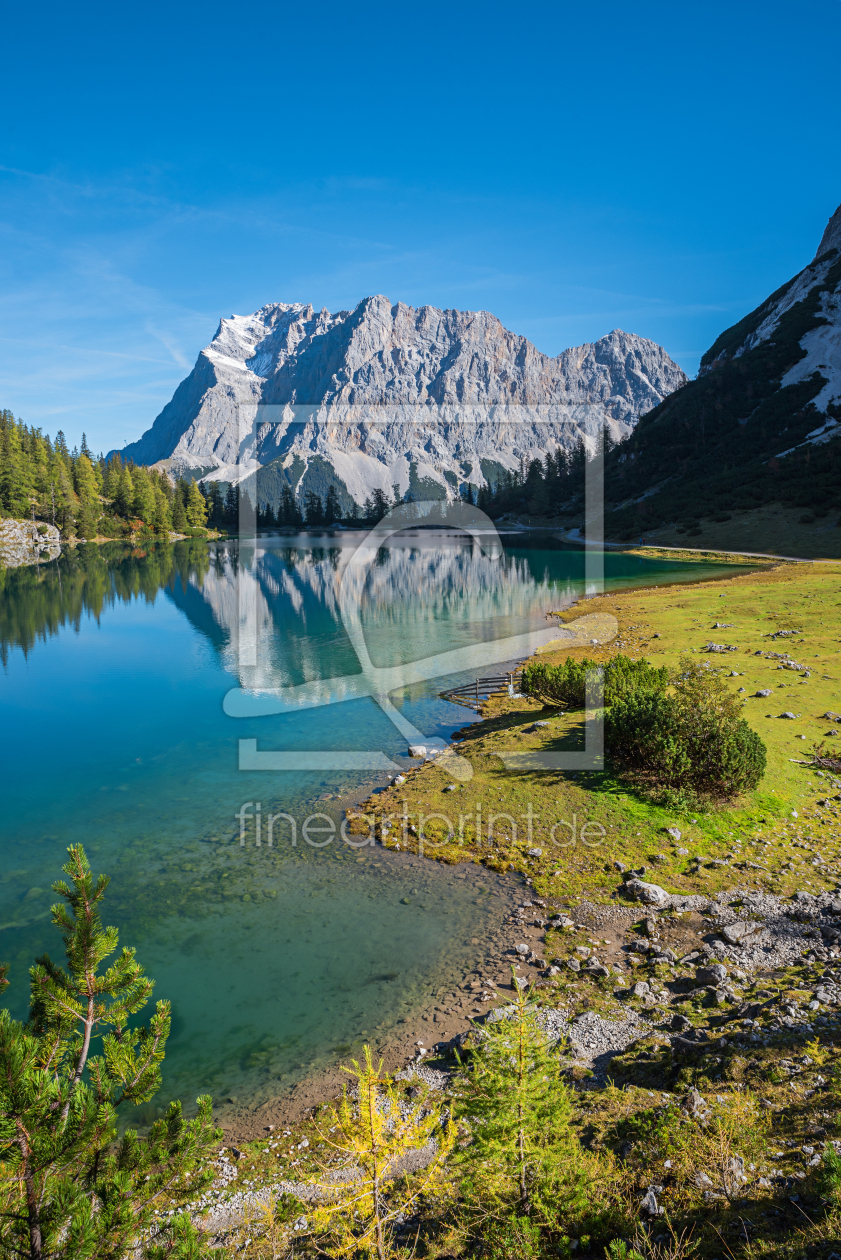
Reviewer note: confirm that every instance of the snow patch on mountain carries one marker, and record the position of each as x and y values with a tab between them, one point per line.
823	344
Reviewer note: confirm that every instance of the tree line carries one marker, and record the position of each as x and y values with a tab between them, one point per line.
86	495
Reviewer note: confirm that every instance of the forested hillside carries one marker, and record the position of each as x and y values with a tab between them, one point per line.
85	496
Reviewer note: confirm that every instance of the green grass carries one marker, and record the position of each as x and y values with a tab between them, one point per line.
798	597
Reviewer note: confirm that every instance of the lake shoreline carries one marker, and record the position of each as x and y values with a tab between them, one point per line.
399	1053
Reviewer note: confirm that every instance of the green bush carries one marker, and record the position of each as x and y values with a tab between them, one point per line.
694	740
563	684
622	677
566	684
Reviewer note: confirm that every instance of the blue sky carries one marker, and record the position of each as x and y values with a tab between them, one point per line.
572	168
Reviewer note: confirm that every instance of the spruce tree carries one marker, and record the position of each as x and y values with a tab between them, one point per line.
380	503
522	1158
313	509
70	1187
232	508
289	511
215	506
332	507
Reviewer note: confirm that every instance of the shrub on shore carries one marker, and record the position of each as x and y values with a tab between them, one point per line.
566	684
692	741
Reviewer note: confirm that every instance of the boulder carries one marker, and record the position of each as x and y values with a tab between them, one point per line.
596	968
649	1204
650	894
714	975
736	933
674	833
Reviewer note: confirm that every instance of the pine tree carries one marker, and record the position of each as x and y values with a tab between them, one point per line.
71	1187
523	1158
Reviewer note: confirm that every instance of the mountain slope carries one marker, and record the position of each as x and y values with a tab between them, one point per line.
389	395
760	423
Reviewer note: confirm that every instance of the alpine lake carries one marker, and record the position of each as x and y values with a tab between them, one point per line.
151	692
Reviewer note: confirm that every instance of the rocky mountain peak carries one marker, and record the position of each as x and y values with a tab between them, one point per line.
831	238
459	367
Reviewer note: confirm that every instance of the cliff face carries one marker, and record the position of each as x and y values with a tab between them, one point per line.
762	421
27	542
390	395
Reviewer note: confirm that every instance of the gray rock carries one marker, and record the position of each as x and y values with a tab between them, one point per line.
641	989
650	894
353	363
535	853
573	964
736	933
766	691
596	968
674	832
27	542
715	974
695	1103
649	1204
680	1023
790	716
522	949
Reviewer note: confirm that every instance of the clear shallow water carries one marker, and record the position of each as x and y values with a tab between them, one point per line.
119	665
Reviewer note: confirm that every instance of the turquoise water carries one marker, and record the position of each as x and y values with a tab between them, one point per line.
121	669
